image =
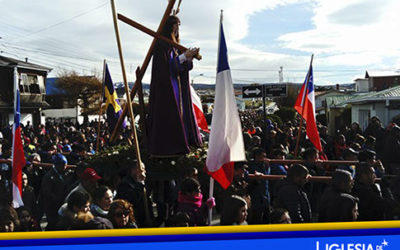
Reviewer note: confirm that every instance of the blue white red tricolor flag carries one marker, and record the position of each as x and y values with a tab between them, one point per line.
18	157
113	107
305	106
226	140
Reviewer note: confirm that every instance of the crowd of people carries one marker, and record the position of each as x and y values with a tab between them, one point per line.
63	198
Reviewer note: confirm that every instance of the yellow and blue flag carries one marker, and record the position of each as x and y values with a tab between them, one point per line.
113	107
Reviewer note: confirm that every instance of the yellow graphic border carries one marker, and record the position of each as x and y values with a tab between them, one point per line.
199	230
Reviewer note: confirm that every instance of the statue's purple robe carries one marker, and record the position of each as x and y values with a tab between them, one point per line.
169	132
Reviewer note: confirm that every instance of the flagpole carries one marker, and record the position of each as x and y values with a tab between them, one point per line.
296	151
15	74
13	167
211	194
101	102
128	96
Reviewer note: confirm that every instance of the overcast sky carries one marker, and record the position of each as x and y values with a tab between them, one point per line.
347	37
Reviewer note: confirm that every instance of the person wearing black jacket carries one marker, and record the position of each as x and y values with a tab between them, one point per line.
291	196
133	189
28	194
342	183
54	190
372	206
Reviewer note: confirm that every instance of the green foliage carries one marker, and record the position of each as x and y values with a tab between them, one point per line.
275	118
286	113
207	98
292	93
114	160
250	104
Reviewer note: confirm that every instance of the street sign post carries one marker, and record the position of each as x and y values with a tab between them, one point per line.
263	91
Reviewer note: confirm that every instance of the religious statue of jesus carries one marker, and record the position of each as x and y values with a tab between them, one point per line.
172	125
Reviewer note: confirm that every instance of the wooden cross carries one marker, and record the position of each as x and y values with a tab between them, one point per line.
137	87
138	83
154	34
140	71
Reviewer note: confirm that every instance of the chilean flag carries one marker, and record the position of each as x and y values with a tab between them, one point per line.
226	139
305	106
198	111
18	157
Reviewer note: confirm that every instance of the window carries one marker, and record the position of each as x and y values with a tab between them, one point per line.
33	84
24	85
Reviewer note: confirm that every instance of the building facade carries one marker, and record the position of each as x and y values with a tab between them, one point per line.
31	79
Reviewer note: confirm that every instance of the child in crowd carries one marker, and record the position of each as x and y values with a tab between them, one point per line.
190	201
234	211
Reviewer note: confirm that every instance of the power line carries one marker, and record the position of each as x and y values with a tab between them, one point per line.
64	21
60	45
286	69
48	52
60	62
56	45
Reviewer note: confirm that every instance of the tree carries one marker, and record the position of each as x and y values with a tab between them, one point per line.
86	90
286	113
292	93
207	98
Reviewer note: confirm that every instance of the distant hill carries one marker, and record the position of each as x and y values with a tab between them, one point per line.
119	86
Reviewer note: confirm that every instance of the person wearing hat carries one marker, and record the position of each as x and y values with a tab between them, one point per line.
369	156
54	190
349	154
67	148
88	182
370	143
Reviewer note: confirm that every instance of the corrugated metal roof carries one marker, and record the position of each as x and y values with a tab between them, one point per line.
7	61
338	101
387	94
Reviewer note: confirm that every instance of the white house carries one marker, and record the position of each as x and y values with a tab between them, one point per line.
320	99
384	104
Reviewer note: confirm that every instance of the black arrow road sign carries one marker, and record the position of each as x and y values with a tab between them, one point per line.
252	91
